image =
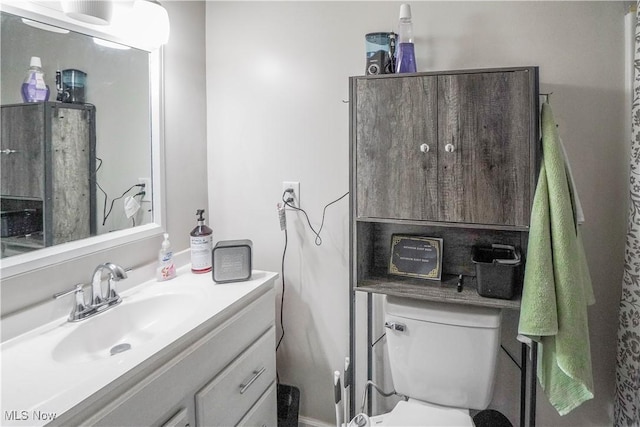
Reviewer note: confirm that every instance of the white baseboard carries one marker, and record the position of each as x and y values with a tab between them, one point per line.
312	422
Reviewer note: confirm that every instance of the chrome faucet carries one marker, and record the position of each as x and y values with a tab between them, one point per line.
116	273
99	302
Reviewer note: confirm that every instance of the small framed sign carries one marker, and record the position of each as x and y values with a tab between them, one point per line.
416	256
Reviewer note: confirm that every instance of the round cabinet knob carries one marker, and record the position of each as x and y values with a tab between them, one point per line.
449	148
424	148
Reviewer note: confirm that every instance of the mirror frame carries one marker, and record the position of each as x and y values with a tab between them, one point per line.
45	257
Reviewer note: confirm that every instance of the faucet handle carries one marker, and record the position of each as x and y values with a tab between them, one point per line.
112	294
116	273
79	308
75	289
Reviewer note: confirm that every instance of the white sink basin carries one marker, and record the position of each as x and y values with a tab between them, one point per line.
124	327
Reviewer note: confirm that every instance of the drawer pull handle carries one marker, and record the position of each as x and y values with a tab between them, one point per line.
256	374
395	326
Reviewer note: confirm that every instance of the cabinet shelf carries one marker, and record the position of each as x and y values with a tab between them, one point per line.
433	290
32	241
423	223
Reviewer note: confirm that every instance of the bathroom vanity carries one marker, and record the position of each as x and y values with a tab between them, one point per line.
185	352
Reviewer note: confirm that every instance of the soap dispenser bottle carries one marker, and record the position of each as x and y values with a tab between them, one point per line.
34	89
166	267
201	245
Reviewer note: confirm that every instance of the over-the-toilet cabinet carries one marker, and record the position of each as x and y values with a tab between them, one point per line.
446	147
450	155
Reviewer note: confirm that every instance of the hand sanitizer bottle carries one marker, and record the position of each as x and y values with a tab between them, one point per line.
166	268
406	60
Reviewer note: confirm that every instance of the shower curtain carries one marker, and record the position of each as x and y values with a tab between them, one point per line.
627	399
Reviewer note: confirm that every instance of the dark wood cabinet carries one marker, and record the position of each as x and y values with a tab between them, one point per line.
450	147
47	168
446	155
451	155
395	147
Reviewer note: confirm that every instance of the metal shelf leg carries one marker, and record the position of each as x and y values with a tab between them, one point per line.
528	377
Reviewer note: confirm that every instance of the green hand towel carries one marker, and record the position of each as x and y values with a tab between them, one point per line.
557	285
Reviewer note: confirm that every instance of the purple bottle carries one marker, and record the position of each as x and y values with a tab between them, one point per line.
34	88
406	57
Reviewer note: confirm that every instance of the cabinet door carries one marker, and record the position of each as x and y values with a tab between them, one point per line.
22	156
70	192
486	120
395	150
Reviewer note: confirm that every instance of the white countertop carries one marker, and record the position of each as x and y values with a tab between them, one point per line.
36	386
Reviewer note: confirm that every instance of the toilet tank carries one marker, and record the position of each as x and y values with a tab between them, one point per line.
443	353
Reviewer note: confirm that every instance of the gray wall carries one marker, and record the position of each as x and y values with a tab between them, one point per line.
277	75
185	117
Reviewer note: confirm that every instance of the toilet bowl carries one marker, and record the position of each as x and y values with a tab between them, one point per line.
423	414
443	358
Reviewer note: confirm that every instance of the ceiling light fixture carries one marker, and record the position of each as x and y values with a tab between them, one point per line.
46	27
142	22
151	11
96	12
111	45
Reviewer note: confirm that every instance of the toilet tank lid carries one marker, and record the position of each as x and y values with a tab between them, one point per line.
444	313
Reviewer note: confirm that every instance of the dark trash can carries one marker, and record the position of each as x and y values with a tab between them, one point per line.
288	405
496	270
491	418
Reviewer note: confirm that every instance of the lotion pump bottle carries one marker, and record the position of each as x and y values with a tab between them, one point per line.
166	268
201	246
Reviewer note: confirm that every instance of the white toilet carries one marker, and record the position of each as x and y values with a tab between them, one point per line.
443	357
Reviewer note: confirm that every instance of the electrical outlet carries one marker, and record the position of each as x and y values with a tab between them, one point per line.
147	189
296	191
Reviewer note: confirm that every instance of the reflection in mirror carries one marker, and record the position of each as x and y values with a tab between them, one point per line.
73	161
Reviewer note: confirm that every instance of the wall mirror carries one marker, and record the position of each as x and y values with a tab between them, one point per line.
79	170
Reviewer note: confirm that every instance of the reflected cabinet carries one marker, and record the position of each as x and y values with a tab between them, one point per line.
47	175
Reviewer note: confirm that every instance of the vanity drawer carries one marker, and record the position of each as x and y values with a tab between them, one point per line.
235	390
264	412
